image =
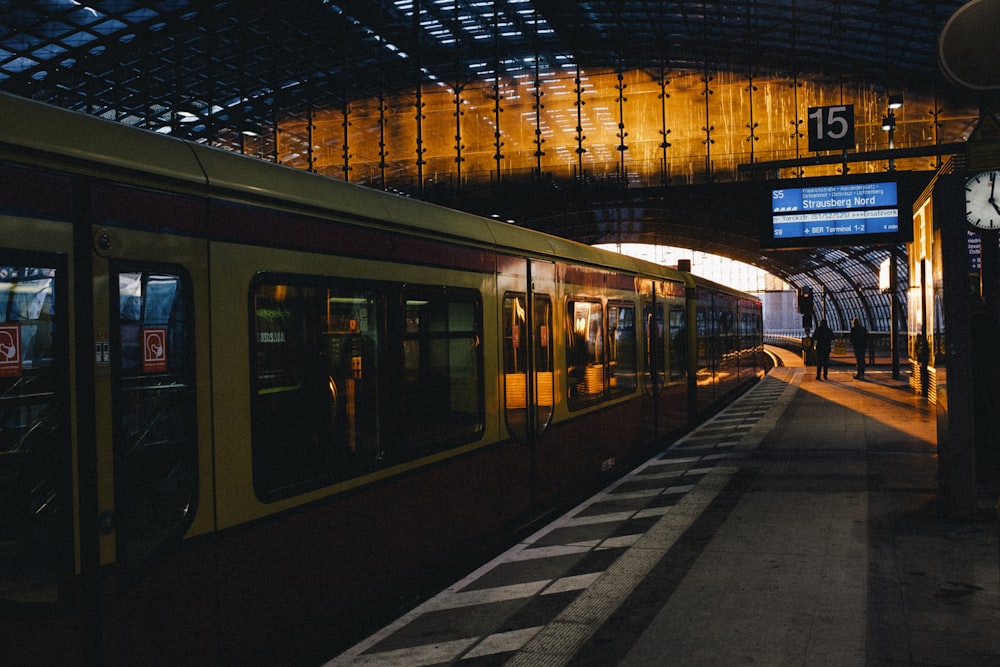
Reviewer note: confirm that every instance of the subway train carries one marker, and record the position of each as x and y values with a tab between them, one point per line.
244	408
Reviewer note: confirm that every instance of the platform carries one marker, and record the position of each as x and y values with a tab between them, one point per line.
798	527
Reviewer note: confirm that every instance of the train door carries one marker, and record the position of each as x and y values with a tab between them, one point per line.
39	619
706	364
528	351
36	488
153	430
655	360
150	454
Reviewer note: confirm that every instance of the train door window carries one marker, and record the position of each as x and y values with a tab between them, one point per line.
315	413
585	357
516	349
726	328
678	342
705	327
36	503
442	397
741	339
544	361
153	405
654	365
621	348
515	364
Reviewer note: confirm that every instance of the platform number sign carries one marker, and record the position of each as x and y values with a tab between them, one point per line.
831	128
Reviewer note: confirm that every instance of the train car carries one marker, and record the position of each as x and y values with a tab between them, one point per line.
242	406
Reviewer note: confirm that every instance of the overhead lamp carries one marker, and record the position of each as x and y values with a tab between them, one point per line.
895	101
888	122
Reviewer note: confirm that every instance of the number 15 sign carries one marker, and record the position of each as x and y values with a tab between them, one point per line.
831	128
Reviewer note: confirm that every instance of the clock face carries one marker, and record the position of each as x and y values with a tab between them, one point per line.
982	200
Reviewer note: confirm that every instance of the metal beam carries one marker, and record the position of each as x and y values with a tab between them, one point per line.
844	158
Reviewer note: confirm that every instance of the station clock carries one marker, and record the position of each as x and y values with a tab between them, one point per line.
982	209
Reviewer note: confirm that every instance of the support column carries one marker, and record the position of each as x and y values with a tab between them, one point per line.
956	395
664	144
894	310
580	138
418	102
458	99
751	124
346	124
622	146
497	97
708	128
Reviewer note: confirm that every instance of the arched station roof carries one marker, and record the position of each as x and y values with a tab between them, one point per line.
209	63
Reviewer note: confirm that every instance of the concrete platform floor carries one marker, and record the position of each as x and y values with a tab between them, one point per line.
800	526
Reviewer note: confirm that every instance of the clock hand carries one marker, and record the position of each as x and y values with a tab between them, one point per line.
992	200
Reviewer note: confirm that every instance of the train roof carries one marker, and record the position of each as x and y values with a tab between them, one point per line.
48	136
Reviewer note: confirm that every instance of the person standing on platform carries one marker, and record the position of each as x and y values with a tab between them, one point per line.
823	337
859	340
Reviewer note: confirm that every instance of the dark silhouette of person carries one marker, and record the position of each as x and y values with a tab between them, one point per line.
859	341
923	352
822	338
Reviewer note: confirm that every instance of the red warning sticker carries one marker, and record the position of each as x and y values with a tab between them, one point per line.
154	349
10	350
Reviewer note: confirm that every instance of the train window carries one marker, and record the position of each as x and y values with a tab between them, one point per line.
315	414
678	342
585	357
442	374
621	349
36	503
654	365
516	348
515	362
155	431
544	362
725	335
705	327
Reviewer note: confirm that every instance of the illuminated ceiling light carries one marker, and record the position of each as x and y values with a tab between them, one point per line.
78	4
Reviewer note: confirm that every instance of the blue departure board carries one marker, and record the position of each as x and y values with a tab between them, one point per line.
855	210
843	209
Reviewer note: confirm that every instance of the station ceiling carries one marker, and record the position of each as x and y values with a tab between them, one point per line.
143	61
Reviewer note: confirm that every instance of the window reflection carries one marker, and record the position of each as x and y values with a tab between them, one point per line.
516	348
331	402
315	405
155	442
622	377
36	504
585	355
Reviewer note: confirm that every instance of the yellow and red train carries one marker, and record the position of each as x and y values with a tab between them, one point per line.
242	404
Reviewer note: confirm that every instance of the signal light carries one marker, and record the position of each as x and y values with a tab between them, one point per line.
806	300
